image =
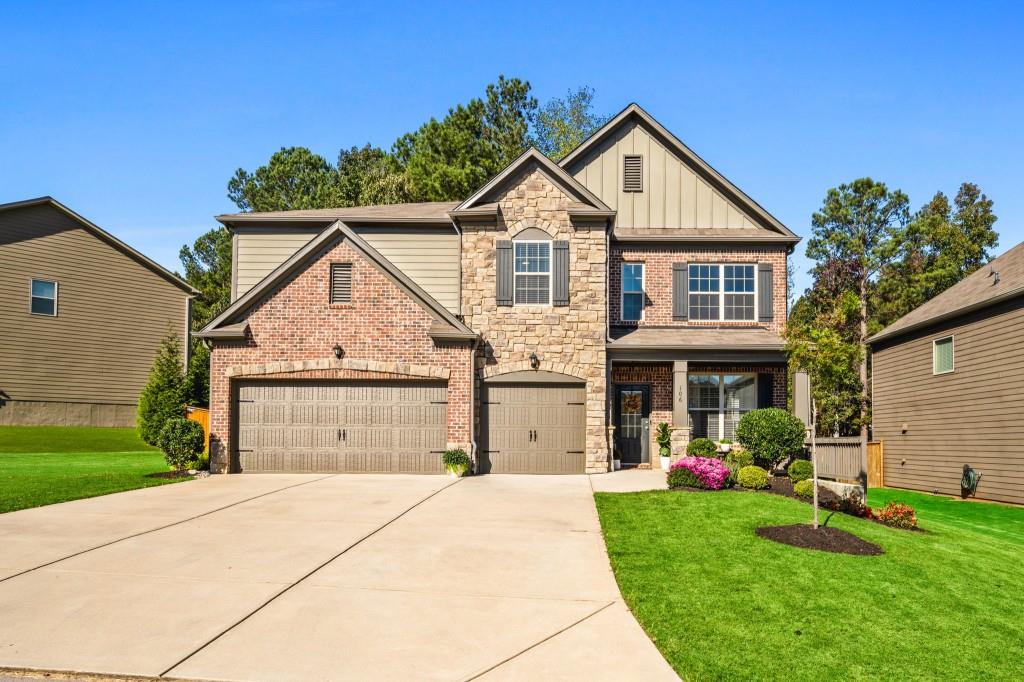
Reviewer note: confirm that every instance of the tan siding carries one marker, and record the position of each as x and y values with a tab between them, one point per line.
430	257
112	313
969	416
674	196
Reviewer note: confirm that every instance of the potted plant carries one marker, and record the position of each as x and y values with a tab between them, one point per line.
456	462
663	436
724	446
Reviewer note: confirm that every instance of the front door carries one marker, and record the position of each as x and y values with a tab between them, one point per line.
632	405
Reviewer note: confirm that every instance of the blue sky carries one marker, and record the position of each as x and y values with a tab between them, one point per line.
137	114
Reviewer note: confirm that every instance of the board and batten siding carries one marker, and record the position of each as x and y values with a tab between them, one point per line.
972	415
673	195
429	256
112	313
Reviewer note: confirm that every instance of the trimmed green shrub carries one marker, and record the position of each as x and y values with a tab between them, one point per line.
163	398
800	470
771	435
804	488
701	447
752	477
456	461
679	477
737	459
181	441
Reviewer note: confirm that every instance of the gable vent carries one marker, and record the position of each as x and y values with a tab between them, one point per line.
632	173
341	282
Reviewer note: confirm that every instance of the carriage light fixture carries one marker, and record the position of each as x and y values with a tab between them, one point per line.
534	361
338	351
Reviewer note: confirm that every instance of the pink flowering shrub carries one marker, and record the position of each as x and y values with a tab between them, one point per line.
698	472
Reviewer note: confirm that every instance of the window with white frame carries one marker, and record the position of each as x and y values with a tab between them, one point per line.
532	273
716	402
942	355
44	297
632	292
722	292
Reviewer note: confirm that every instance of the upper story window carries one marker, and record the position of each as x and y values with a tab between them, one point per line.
632	292
532	272
44	297
341	282
942	355
722	292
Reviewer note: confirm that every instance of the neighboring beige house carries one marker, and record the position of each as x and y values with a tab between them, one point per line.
82	316
536	324
948	386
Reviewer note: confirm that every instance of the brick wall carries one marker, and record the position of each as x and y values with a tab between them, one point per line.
295	322
658	262
567	339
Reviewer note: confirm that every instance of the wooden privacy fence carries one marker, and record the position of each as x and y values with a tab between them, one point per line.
844	460
201	416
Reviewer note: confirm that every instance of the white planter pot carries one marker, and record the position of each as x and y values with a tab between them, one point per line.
724	447
665	463
616	464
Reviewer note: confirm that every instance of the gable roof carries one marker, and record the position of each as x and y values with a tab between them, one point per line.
422	212
228	326
105	236
635	113
586	202
976	291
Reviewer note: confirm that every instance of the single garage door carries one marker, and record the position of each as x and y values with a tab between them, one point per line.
534	429
341	426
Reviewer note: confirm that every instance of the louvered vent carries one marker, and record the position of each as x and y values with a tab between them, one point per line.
633	173
341	282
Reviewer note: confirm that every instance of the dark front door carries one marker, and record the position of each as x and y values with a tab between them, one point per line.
632	405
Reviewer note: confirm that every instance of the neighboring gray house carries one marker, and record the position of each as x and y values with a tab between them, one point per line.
82	316
948	386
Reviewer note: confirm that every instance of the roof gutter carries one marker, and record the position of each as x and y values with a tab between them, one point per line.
885	334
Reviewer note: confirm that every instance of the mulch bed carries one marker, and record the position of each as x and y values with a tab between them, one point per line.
169	474
823	539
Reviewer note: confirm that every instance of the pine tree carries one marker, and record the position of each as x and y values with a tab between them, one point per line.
163	397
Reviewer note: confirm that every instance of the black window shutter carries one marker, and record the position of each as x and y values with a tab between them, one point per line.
680	291
504	272
764	292
560	273
765	390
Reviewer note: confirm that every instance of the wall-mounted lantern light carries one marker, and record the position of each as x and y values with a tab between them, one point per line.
534	361
338	351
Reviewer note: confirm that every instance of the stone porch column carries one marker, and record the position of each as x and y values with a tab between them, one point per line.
680	419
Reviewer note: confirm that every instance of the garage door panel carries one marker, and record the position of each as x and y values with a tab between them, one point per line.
341	426
535	428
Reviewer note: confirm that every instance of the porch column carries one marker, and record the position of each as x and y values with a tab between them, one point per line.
680	419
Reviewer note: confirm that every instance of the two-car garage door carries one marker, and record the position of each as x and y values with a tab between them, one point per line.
341	426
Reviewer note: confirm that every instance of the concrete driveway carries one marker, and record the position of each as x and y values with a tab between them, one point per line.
290	577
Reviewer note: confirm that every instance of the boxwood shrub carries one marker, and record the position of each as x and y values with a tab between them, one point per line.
804	488
752	477
800	470
737	459
701	447
181	441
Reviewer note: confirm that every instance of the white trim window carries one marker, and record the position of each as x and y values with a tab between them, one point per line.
723	292
632	299
532	272
716	402
43	295
942	355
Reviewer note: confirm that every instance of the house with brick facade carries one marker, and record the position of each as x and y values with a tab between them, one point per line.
539	324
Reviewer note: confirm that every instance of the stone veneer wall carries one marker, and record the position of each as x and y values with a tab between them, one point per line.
570	340
658	262
384	334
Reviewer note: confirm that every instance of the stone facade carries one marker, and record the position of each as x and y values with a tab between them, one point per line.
383	332
658	262
567	339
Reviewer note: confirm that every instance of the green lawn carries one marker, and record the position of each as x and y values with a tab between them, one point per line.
48	464
722	603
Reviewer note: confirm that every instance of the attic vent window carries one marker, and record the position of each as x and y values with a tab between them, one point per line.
632	173
341	282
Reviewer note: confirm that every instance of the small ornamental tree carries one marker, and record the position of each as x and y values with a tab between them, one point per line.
771	435
163	398
181	441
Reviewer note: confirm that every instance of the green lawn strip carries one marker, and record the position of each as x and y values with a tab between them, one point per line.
722	603
986	518
36	479
70	439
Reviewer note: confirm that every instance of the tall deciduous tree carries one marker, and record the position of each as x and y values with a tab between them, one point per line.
294	178
861	224
369	175
562	124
